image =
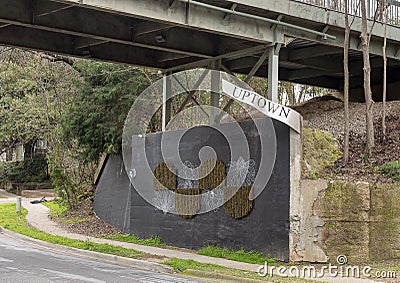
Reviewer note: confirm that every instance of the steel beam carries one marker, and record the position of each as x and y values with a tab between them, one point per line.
397	54
104	38
167	104
261	19
232	55
273	73
310	52
147	27
189	95
80	43
227	16
115	28
249	76
203	19
215	89
4	25
53	11
257	66
173	57
200	19
310	73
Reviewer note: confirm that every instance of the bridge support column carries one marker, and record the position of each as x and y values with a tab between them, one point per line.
273	72
167	107
215	89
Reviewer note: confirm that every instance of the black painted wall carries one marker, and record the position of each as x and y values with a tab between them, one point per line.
265	229
112	199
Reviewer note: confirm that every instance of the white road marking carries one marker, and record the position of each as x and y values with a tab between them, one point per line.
74	276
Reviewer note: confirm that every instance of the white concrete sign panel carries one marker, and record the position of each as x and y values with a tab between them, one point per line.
273	110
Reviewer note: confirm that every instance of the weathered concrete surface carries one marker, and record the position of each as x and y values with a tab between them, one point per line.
359	220
308	229
385	222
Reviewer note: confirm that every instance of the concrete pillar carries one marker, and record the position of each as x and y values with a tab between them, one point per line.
166	108
215	89
19	201
273	72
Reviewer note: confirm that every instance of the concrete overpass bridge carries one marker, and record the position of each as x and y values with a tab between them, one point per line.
297	41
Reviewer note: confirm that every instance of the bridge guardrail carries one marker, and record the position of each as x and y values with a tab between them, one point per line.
373	8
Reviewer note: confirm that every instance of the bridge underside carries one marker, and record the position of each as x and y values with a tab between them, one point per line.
70	28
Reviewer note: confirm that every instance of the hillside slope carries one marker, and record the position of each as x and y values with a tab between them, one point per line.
328	115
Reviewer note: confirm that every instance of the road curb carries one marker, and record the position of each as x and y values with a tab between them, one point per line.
218	277
130	262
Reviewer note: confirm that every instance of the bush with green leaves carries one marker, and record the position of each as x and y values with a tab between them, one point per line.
391	169
31	170
96	117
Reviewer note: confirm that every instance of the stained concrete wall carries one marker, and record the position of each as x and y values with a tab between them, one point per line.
359	220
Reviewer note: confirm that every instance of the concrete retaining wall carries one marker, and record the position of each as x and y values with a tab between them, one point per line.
359	220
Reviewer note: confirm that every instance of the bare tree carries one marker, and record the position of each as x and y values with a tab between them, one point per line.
346	85
365	41
384	71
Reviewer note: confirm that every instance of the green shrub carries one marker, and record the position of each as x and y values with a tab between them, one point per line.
31	170
391	169
320	150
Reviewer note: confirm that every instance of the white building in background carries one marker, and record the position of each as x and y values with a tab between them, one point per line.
17	152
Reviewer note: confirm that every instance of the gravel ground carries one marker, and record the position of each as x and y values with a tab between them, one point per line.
333	120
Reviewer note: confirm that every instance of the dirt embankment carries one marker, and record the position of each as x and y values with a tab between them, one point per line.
328	115
82	220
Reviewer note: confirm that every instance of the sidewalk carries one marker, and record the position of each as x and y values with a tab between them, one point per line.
38	217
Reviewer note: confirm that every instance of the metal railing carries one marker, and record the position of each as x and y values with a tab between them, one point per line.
373	8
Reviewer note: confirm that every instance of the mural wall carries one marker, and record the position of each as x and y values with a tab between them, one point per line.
261	224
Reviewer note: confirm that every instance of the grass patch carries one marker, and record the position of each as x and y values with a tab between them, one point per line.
254	257
154	241
57	209
181	265
185	266
16	222
13	221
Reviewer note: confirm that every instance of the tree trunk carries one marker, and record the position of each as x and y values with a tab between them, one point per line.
346	86
290	93
384	76
370	138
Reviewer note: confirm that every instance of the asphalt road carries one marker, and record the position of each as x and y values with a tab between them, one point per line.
20	262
